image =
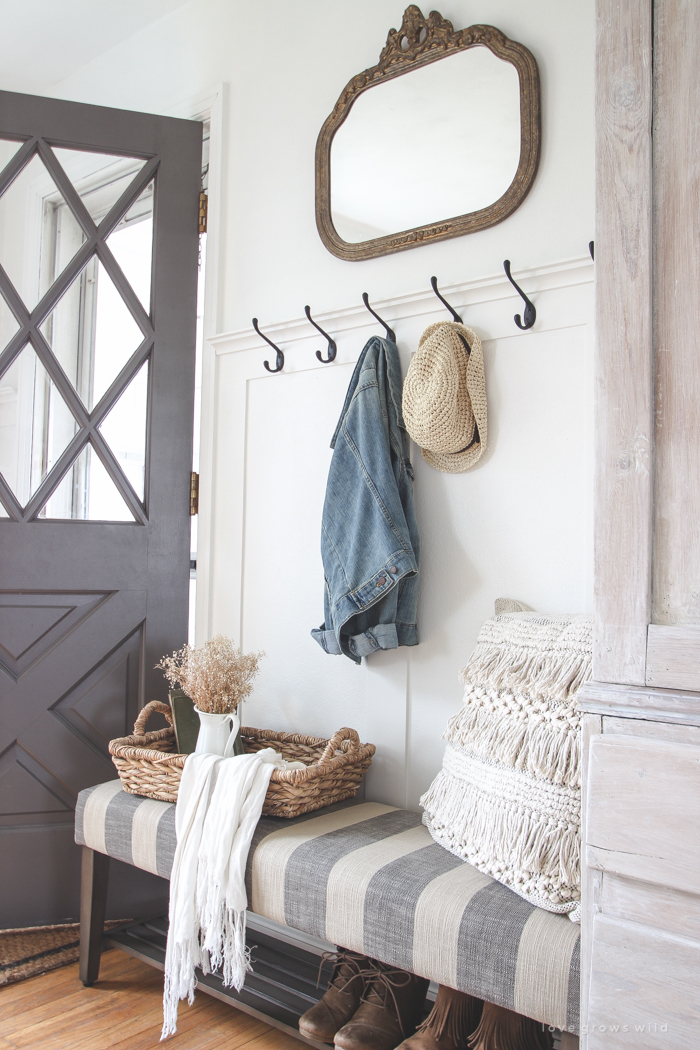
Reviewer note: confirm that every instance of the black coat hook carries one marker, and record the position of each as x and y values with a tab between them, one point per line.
443	300
591	248
332	348
280	356
529	313
389	331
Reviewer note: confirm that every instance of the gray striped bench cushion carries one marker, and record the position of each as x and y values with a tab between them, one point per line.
370	877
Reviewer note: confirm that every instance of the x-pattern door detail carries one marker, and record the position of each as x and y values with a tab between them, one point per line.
30	323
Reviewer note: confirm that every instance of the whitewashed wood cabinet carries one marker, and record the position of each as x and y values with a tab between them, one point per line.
641	818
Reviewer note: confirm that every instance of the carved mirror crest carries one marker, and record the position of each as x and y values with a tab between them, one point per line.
448	151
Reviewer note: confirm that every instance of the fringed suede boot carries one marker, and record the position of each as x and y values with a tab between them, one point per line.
501	1029
391	1007
449	1024
345	988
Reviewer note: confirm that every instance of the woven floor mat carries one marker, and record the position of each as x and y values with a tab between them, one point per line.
36	949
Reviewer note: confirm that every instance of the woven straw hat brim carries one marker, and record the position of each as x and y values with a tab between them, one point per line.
445	397
436	405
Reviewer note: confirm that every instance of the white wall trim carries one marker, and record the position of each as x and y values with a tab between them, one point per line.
490	289
216	104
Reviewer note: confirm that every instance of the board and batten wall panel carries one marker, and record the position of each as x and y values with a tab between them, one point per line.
518	525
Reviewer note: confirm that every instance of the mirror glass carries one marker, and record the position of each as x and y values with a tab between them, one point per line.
419	149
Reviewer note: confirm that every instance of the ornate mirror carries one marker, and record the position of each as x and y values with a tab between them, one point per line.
449	150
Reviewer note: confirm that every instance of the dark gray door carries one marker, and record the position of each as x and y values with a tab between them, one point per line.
98	269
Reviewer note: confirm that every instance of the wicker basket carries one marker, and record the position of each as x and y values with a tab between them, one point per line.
148	764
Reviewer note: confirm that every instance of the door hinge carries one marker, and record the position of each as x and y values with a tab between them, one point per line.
203	206
194	493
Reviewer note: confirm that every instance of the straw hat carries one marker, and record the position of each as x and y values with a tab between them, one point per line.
444	397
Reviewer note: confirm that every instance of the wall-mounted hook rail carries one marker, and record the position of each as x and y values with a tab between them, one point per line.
279	363
529	313
332	348
591	248
443	300
389	331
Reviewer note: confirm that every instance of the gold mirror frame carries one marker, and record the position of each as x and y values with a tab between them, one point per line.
440	41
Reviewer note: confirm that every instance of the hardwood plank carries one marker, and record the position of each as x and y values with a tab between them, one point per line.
194	1039
274	1040
32	1009
676	582
97	1018
122	1011
623	424
45	987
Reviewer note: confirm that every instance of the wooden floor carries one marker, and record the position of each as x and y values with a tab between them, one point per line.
122	1011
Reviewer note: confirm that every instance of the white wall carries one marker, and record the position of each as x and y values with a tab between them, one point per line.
518	525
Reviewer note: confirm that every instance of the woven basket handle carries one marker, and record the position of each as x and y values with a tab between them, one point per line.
336	740
155	705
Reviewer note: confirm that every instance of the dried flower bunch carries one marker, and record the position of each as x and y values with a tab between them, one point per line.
215	675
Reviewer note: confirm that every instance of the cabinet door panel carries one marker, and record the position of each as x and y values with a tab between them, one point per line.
646	803
643	990
660	906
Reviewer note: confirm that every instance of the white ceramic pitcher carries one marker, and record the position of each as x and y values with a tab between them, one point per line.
214	737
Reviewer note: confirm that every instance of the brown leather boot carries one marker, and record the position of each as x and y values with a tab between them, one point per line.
342	999
449	1024
501	1029
390	1009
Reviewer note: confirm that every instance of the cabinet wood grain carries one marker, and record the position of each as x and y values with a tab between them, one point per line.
659	906
673	653
644	988
644	802
676	188
624	348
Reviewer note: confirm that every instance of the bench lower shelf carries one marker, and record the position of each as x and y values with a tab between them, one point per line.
280	988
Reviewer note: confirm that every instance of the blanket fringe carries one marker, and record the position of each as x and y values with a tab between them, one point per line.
180	981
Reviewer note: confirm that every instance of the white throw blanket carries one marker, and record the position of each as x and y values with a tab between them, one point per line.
218	806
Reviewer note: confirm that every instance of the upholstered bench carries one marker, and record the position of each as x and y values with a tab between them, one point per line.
368	877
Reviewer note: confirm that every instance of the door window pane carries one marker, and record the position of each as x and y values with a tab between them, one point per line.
8	148
87	493
124	429
9	325
36	425
92	333
99	178
131	243
34	246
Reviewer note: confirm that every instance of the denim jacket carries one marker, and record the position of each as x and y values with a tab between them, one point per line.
369	536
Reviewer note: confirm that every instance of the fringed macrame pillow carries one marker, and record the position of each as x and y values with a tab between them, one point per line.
508	797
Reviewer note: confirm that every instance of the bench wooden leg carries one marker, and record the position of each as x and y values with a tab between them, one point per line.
94	877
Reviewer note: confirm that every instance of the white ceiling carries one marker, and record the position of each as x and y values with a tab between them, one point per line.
43	41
